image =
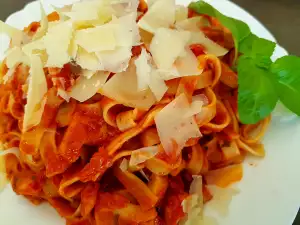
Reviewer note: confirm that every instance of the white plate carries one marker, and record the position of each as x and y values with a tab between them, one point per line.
270	191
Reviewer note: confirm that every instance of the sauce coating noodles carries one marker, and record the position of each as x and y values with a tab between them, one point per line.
77	157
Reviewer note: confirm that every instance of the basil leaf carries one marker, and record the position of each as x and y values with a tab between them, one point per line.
287	73
253	45
259	49
261	82
239	29
257	95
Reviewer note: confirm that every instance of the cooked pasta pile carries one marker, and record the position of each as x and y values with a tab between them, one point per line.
115	114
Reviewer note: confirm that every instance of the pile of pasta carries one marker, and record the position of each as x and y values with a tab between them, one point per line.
102	161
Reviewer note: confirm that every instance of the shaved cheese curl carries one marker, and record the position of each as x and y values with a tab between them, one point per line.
174	127
160	14
36	92
122	87
86	88
44	25
143	154
16	35
167	45
57	42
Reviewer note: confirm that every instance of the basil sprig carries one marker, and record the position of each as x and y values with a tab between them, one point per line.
262	83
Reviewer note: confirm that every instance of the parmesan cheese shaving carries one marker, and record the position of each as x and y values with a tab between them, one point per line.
96	39
210	47
43	25
167	45
148	77
150	2
14	57
169	74
196	186
73	49
9	74
85	88
87	60
157	85
188	65
198	37
142	155
193	205
63	94
143	70
196	106
15	34
31	47
61	12
127	33
84	10
87	73
124	165
122	87
160	14
123	7
82	15
221	200
115	61
181	13
37	89
57	42
174	128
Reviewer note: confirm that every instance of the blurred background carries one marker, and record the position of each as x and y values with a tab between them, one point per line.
281	17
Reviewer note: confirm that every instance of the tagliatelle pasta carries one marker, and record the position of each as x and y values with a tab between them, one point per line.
101	150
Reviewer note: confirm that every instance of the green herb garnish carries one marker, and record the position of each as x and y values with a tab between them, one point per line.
287	74
261	82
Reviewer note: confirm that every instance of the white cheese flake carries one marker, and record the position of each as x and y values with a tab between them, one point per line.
174	127
127	33
84	10
43	25
16	35
143	70
115	61
160	14
9	74
14	56
101	38
63	94
85	88
37	89
57	42
157	85
88	61
31	47
210	47
124	165
188	64
149	77
167	45
142	155
181	13
122	87
123	7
